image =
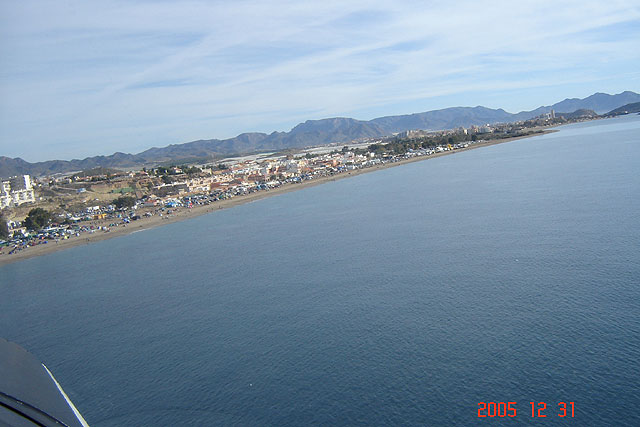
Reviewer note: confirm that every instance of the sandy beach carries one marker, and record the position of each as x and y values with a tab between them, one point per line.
186	213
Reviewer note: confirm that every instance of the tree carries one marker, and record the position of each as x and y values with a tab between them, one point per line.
191	170
37	219
4	228
124	202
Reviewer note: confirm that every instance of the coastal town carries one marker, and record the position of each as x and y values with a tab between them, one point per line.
55	209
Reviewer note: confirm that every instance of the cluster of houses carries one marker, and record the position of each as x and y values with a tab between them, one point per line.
211	184
252	171
164	190
158	190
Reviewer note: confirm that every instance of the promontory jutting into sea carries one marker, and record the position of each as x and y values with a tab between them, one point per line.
505	276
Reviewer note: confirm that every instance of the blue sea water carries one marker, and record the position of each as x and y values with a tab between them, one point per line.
404	296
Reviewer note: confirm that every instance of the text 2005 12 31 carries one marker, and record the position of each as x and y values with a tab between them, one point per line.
536	409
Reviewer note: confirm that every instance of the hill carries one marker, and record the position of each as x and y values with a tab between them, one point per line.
581	113
598	102
625	109
447	118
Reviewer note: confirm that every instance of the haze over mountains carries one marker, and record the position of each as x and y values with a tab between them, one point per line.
314	132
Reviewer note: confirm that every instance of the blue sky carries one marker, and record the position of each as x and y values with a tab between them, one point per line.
83	78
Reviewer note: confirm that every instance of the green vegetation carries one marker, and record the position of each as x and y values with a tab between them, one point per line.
193	170
161	170
4	228
37	219
166	172
124	202
402	145
123	190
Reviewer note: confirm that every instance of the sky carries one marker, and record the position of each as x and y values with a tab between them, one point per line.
83	78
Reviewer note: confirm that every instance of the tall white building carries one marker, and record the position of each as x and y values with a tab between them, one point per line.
16	191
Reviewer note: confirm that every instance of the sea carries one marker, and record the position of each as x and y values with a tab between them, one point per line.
432	294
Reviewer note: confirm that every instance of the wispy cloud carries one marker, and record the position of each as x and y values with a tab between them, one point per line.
83	78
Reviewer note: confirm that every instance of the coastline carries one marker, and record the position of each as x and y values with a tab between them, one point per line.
186	213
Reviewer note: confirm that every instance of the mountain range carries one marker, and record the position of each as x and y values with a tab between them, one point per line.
311	133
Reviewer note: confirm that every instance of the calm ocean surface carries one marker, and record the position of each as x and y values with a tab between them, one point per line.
400	297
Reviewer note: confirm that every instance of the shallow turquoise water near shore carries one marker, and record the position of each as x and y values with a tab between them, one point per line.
403	297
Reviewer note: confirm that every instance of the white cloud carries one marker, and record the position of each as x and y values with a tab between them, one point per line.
128	75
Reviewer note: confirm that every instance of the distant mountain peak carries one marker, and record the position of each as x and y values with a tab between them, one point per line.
316	132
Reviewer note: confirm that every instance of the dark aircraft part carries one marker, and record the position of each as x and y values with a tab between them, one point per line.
29	394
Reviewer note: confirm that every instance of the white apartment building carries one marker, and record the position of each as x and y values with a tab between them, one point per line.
16	191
